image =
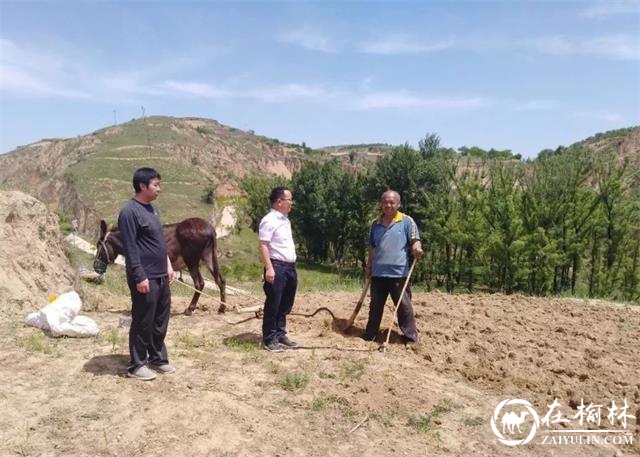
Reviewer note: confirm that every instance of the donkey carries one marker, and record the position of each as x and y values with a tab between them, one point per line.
188	242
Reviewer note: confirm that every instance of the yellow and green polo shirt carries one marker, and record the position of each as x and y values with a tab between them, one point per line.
392	246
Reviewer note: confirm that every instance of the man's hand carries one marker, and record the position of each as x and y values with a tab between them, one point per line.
270	275
416	250
143	287
367	272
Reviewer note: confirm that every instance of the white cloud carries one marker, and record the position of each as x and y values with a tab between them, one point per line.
610	9
406	99
31	73
309	38
15	80
269	94
400	44
617	47
554	45
197	89
536	105
292	91
621	47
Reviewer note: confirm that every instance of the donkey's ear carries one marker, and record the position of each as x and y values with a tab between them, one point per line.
103	228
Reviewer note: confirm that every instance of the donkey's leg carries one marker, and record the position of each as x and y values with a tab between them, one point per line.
198	283
212	263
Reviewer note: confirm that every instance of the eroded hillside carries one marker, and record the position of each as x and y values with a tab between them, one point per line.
89	177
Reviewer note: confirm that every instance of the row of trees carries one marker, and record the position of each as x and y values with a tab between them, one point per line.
566	223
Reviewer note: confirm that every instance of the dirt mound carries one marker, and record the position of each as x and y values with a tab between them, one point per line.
33	263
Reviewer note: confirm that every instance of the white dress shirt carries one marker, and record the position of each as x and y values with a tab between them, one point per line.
275	228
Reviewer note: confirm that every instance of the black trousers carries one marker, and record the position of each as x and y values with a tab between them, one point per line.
380	290
149	323
279	302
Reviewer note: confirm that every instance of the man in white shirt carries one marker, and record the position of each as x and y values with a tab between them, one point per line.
278	254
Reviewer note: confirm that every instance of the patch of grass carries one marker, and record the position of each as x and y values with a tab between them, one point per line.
37	342
442	407
239	345
186	340
113	337
322	401
294	381
64	223
202	130
348	412
252	350
326	375
354	370
57	419
319	403
420	423
240	264
473	421
386	417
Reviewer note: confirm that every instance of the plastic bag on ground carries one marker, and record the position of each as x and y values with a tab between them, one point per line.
61	318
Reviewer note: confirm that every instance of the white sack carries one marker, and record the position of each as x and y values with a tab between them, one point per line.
60	317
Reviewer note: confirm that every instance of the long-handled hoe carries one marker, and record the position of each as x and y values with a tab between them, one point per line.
384	345
356	310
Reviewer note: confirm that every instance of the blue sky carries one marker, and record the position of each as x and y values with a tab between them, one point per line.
510	75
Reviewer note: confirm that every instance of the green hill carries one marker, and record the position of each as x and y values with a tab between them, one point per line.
89	177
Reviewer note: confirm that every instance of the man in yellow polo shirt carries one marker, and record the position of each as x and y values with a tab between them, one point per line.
394	237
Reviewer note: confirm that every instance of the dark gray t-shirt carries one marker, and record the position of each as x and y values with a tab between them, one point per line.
143	241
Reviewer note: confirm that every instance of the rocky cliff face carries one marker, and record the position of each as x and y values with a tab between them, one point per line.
32	260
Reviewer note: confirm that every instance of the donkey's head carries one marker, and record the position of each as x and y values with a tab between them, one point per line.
107	248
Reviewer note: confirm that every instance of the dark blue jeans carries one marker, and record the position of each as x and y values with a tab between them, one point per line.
279	302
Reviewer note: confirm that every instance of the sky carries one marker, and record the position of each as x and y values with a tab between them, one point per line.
515	75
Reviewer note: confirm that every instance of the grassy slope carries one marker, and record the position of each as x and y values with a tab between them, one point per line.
103	177
241	266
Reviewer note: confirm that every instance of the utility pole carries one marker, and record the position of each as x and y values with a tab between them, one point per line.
146	127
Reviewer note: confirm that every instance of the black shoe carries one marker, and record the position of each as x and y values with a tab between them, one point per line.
409	341
368	337
287	343
273	346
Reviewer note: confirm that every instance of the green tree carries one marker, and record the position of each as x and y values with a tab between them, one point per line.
257	190
429	145
504	244
331	212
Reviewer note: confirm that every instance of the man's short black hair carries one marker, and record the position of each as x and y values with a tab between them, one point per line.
144	176
277	193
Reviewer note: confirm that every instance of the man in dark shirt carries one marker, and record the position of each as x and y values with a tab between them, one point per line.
149	274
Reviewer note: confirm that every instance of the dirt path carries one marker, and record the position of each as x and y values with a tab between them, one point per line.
227	221
69	397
